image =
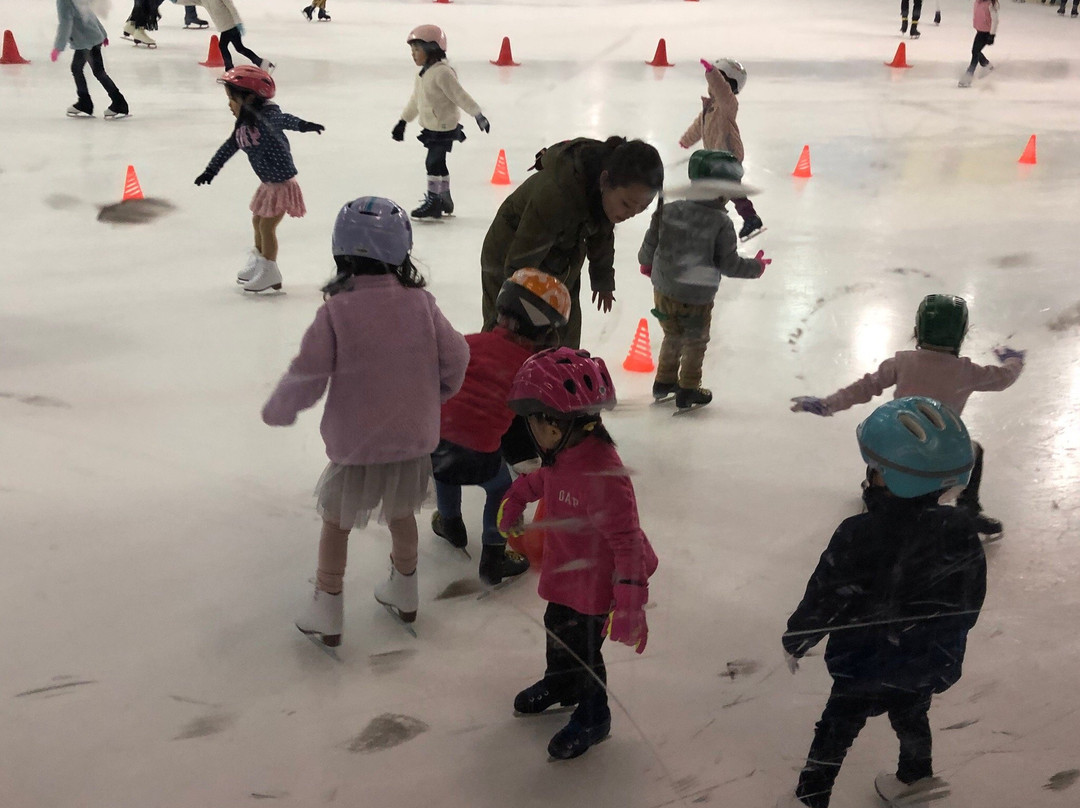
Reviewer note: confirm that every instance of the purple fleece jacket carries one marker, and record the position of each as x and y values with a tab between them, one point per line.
391	359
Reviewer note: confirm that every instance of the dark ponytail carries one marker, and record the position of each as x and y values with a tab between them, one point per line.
349	266
633	162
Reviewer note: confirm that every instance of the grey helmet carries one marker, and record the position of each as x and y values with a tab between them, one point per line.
373	227
733	70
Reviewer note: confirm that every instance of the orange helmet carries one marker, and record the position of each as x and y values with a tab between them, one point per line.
538	302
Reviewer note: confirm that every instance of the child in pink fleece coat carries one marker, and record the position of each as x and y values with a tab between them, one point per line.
984	19
936	370
597	560
391	360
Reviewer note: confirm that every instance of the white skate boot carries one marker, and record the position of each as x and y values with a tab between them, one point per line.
267	276
140	37
323	617
398	593
252	265
129	29
898	794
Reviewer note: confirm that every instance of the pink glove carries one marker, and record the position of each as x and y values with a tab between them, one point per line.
626	623
105	44
707	65
646	270
761	259
54	55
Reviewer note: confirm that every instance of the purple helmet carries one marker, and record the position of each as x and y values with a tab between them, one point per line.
563	383
373	227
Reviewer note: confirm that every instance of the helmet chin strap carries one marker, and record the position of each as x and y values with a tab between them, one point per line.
548	456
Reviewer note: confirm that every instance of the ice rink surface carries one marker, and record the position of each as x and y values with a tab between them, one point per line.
157	538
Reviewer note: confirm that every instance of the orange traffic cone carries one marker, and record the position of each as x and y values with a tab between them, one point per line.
1028	157
660	58
501	176
639	360
531	543
506	58
213	56
900	60
802	168
442	1
132	189
10	54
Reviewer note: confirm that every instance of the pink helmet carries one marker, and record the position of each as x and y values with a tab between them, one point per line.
563	383
427	33
251	78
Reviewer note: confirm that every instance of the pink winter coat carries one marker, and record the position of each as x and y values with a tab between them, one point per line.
716	126
985	16
942	376
594	539
391	359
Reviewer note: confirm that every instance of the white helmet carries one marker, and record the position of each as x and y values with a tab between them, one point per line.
733	70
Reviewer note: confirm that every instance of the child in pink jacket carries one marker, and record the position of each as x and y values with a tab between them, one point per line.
936	370
391	360
597	560
985	21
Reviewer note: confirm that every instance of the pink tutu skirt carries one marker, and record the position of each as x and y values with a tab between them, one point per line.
278	198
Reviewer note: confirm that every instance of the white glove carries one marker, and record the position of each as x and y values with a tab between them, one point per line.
526	466
792	663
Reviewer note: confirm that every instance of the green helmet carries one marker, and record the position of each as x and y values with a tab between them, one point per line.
712	164
941	322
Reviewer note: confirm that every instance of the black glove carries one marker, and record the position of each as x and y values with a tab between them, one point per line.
398	133
308	126
204	179
482	122
989	39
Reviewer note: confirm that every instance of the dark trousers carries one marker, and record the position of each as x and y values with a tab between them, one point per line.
97	67
232	37
916	10
1076	4
579	637
977	46
844	717
745	208
436	159
448	497
969	497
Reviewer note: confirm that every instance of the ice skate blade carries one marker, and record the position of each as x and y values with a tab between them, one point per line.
685	410
991	538
275	288
753	235
663	399
562	708
329	640
117	117
322	645
194	26
80	114
146	45
404	619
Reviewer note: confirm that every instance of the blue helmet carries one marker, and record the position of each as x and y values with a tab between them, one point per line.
918	444
373	227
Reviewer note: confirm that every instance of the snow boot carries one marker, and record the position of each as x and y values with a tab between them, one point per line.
431	208
267	276
575	738
750	227
538	697
323	617
688	399
453	530
497	563
399	594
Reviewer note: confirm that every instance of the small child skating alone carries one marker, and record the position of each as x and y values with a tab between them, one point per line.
260	132
436	98
307	11
985	19
79	28
716	127
391	359
231	28
916	13
597	560
934	369
897	591
689	246
531	306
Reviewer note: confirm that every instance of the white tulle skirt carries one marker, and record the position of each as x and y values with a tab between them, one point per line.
349	495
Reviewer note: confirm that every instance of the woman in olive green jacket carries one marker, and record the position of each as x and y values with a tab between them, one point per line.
566	213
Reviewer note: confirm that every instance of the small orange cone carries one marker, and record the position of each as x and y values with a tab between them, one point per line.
10	54
213	56
506	58
900	60
132	189
639	360
442	1
660	58
802	168
501	176
531	543
1028	157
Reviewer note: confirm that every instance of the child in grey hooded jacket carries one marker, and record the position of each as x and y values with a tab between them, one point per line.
80	28
690	244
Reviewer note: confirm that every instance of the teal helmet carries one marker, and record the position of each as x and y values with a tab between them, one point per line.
941	323
918	444
713	164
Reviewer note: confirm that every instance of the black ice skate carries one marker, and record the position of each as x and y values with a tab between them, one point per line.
431	208
447	202
664	391
575	738
453	530
937	18
536	698
990	529
497	563
323	16
751	227
687	400
914	30
307	11
196	23
903	25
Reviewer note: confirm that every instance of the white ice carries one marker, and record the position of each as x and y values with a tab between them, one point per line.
157	538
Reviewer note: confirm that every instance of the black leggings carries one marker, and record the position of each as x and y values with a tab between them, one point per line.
97	67
232	37
436	159
977	46
916	10
579	638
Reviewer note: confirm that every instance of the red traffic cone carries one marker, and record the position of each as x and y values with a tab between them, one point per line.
506	58
10	54
660	58
900	60
1028	157
442	1
132	189
213	56
802	168
640	360
501	176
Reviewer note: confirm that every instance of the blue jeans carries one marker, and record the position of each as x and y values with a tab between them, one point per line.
448	497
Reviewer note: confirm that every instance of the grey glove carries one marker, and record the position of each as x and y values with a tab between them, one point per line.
482	122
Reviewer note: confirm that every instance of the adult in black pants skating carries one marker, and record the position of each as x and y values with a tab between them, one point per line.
916	13
83	31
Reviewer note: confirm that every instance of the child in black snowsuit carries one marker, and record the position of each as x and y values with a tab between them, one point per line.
896	591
